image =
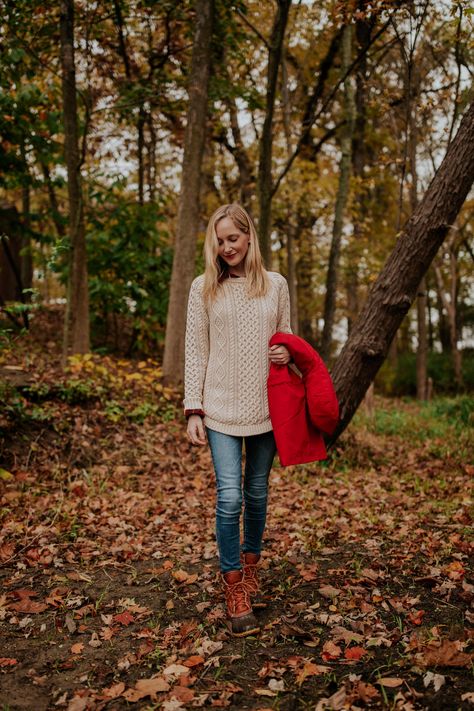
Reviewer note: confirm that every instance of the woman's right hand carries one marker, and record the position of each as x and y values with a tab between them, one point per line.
195	430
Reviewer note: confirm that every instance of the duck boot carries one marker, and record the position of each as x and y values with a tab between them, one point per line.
239	609
250	562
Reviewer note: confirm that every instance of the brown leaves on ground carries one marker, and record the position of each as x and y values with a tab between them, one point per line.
446	653
110	593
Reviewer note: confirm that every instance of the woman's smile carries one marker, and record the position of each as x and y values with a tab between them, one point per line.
232	243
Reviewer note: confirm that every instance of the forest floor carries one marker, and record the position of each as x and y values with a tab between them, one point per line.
109	594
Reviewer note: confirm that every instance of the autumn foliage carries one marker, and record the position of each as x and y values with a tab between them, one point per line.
110	596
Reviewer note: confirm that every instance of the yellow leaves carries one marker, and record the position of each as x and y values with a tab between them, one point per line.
5	475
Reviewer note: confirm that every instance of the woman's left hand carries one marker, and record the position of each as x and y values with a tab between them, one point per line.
279	355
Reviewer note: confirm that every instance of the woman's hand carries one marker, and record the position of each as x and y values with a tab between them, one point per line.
195	430
279	355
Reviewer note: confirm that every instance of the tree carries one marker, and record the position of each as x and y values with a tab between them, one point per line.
188	208
341	199
397	283
266	141
76	322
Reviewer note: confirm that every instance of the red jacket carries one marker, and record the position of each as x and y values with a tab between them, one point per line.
301	409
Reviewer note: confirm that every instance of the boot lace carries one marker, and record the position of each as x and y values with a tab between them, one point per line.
237	598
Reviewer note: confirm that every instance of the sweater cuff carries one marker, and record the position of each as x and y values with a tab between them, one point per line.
188	413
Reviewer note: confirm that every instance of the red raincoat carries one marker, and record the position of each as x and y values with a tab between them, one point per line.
301	408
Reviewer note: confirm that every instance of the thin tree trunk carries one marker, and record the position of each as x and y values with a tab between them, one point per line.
247	178
341	199
141	155
266	139
188	209
291	275
359	159
450	309
76	324
53	202
26	257
412	89
397	283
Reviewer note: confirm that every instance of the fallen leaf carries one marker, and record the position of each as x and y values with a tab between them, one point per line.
29	606
390	681
329	591
331	651
77	648
416	616
354	652
172	705
310	669
194	661
438	680
447	654
8	662
265	692
77	703
336	702
124	618
114	691
367	692
146	687
175	670
182	693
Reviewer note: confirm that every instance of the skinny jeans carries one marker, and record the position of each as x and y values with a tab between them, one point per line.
226	452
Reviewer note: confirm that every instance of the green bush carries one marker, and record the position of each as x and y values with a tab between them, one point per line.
401	379
129	272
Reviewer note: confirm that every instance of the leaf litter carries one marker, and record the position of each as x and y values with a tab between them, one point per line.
110	596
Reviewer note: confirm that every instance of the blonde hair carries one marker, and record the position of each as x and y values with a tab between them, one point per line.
216	269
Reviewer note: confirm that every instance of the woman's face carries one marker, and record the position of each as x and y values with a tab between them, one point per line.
233	245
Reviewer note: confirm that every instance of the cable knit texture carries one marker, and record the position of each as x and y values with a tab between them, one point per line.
226	363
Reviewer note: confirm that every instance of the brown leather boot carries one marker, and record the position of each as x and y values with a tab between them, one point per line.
250	562
239	609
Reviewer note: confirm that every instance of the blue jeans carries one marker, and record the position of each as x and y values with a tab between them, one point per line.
226	451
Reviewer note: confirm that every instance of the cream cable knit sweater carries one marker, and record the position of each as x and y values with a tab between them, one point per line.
226	362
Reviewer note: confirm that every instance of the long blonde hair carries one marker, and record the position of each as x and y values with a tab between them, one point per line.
216	269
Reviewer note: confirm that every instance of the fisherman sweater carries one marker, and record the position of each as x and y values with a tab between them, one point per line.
226	353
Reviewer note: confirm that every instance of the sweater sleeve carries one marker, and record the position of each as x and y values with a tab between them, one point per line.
196	348
284	314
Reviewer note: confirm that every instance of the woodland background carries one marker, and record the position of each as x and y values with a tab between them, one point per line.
347	130
326	120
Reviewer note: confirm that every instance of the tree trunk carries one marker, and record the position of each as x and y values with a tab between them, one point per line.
266	140
188	209
76	323
412	91
450	309
26	255
397	284
341	199
246	176
291	276
359	159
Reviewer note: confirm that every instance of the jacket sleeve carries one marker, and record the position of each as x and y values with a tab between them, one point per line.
284	314
196	348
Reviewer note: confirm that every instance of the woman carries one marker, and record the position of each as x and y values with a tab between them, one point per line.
234	308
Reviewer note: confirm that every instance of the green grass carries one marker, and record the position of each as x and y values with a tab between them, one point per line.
442	418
